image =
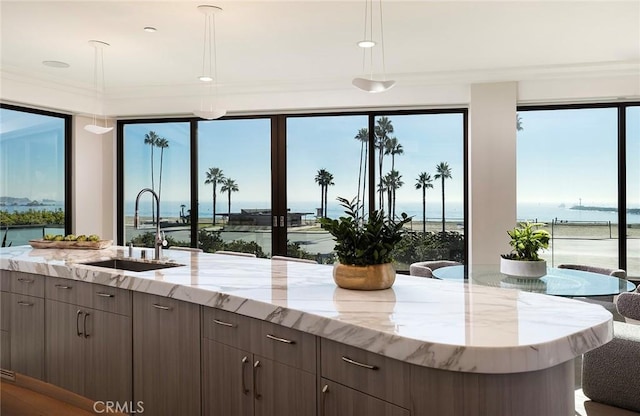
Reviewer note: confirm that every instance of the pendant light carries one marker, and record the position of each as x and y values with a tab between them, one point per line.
368	44
208	103
98	85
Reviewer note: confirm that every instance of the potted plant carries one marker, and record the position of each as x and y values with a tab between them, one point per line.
527	239
364	247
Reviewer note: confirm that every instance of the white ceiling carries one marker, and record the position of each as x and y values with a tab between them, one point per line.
302	49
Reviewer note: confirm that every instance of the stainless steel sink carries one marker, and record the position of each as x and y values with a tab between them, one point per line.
131	265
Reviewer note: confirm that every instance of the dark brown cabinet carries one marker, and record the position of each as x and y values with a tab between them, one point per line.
255	368
88	350
22	331
166	355
355	381
339	400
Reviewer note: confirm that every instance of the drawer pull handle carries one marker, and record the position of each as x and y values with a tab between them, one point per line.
105	295
63	287
25	280
23	303
164	308
286	341
245	360
84	325
256	395
367	366
224	323
78	333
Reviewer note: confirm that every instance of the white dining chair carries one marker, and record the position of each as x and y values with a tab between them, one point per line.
295	259
235	253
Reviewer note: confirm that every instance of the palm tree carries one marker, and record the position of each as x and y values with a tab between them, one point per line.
320	178
328	181
424	182
394	182
519	126
151	139
162	143
214	177
443	171
393	147
363	137
382	131
229	185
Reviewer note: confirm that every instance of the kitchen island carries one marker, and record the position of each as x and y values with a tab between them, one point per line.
461	349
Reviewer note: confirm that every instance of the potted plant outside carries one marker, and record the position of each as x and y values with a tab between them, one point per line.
364	247
527	239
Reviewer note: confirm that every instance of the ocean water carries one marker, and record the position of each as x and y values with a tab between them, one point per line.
453	210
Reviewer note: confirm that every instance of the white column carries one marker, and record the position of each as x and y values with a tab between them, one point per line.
492	170
93	181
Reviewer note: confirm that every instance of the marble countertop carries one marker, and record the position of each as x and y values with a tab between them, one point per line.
427	322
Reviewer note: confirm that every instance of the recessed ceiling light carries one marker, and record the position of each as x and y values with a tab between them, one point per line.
55	64
150	29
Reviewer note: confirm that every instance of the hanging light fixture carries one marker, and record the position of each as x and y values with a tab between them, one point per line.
98	86
368	44
208	103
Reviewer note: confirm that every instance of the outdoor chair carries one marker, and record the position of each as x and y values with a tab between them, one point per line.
610	373
425	268
295	259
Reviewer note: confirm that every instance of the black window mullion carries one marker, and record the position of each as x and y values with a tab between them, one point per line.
194	214
622	187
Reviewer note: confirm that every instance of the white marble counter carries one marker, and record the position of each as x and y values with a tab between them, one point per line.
427	322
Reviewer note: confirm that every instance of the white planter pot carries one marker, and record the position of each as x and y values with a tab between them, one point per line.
523	269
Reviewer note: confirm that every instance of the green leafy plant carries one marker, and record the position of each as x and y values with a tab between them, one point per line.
362	242
527	239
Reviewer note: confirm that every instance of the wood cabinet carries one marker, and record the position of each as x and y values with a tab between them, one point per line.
355	381
256	368
88	350
22	331
166	355
338	400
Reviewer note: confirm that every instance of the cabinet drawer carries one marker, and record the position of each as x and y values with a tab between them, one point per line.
367	372
339	400
285	345
110	299
27	284
5	281
227	327
69	291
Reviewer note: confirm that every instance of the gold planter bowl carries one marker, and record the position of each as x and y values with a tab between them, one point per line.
372	277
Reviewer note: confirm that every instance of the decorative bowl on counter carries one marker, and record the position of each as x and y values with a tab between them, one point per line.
82	245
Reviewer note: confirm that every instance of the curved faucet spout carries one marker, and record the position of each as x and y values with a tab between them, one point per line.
136	220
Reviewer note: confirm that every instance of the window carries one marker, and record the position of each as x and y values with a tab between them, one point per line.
234	186
34	153
420	172
157	157
567	162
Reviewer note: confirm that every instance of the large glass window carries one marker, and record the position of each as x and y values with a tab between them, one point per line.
234	186
157	157
326	158
633	191
33	147
420	171
567	163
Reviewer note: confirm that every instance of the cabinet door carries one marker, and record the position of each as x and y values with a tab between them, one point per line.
64	352
227	384
5	324
338	400
27	335
282	390
166	355
108	357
